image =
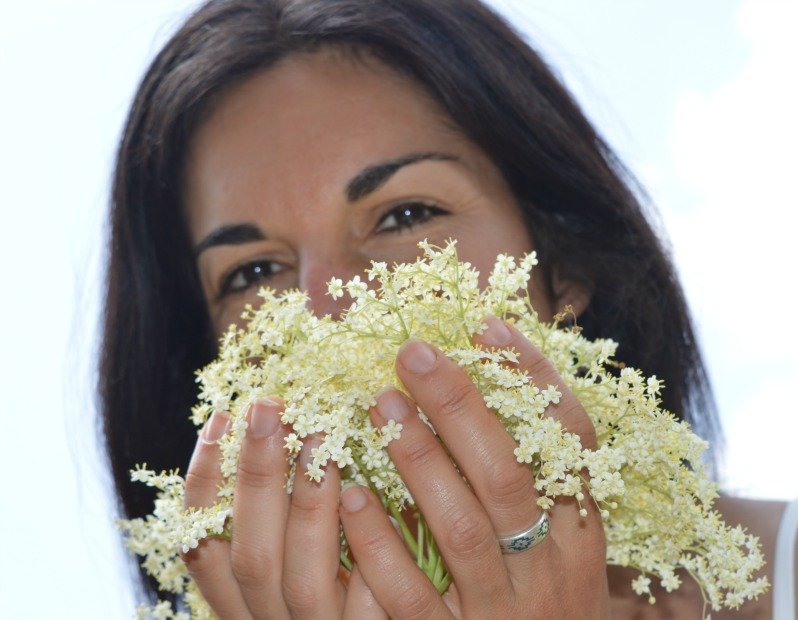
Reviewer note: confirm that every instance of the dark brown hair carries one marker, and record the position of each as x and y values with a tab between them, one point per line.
579	201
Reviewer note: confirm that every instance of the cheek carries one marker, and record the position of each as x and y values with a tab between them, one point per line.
539	296
481	251
224	320
229	312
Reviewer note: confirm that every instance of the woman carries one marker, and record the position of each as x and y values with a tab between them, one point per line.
283	143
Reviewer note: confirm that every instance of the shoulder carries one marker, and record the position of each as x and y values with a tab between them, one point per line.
760	517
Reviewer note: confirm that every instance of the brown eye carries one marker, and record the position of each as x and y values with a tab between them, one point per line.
247	275
408	215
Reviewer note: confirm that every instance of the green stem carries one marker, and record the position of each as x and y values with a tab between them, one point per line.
422	545
406	533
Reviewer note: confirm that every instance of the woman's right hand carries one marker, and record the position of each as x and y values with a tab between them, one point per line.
284	557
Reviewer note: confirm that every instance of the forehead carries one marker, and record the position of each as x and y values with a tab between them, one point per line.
297	130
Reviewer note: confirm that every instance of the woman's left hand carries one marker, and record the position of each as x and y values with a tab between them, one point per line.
562	577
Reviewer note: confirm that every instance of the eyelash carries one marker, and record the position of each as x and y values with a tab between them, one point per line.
406	209
253	271
260	270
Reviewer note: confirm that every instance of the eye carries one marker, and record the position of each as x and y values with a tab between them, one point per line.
408	215
248	274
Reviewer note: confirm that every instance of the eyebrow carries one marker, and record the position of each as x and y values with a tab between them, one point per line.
371	178
362	184
235	234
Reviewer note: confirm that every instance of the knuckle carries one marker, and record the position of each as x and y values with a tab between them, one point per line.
420	454
413	600
583	427
538	365
587	433
309	508
469	535
301	595
249	474
202	563
251	568
373	547
457	399
199	480
508	485
574	420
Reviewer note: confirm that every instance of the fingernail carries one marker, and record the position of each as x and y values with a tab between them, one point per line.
497	333
216	427
264	419
305	456
417	356
391	405
353	498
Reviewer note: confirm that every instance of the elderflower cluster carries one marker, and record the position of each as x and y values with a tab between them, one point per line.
646	475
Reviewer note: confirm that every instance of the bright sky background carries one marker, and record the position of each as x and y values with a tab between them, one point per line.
699	98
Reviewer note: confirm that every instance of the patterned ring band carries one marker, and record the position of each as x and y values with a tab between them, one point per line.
526	539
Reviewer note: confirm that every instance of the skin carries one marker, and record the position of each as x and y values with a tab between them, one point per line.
272	168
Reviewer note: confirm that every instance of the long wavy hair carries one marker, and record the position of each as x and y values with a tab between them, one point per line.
577	198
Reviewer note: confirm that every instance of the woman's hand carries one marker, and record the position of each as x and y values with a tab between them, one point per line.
562	577
284	557
283	560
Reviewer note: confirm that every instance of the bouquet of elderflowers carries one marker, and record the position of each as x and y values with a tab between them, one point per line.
646	475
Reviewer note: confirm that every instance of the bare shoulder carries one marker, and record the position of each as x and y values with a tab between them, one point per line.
760	517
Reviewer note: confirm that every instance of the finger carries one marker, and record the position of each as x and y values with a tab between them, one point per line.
586	534
260	506
464	532
203	476
473	434
311	587
209	563
568	411
360	602
399	586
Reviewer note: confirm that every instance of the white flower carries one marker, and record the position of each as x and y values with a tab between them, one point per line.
335	288
641	585
646	475
356	288
391	431
292	443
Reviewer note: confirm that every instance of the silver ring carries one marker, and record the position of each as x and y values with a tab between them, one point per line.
528	538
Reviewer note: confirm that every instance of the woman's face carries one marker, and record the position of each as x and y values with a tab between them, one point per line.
318	166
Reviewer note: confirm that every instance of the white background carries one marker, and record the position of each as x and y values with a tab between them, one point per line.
699	98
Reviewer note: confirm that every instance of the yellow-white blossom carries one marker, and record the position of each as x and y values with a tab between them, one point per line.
646	476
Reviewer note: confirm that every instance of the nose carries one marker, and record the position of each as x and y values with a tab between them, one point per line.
317	270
